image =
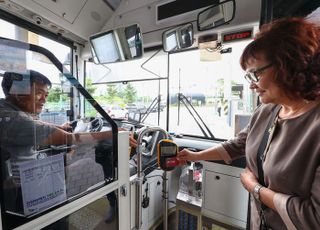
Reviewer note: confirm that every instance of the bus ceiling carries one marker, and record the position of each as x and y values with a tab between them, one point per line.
221	20
77	20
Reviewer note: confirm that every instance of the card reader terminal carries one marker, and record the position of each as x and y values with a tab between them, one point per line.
167	154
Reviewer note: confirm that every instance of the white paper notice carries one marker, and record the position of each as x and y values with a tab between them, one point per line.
42	183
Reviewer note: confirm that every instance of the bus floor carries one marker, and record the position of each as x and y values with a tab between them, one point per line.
171	223
91	217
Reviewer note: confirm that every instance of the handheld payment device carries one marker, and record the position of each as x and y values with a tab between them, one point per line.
167	154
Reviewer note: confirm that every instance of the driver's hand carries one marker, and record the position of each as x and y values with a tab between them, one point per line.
66	126
132	142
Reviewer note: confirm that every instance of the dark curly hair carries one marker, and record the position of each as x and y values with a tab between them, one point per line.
293	46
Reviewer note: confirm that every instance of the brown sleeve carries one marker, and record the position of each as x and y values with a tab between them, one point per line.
236	146
280	202
305	212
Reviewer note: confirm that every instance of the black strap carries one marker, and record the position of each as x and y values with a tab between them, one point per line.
260	152
248	214
263	145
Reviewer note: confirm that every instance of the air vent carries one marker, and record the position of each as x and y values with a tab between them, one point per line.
96	16
11	6
52	26
56	29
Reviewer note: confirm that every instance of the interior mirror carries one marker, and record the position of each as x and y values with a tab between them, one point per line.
178	38
216	15
121	44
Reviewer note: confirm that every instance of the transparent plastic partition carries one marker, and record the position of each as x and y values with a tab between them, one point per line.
50	152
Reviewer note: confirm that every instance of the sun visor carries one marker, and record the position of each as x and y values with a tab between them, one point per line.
206	55
209	48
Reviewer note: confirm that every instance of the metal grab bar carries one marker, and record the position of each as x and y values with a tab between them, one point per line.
140	176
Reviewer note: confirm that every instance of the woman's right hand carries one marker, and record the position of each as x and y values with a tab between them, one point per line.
187	155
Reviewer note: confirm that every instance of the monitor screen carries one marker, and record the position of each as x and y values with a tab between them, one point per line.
105	48
171	41
168	150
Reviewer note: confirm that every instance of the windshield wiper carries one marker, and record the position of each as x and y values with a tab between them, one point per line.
202	125
154	104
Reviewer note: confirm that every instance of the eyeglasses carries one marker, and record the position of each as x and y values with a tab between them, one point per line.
254	75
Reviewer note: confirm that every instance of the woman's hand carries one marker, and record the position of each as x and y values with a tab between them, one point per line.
248	180
187	155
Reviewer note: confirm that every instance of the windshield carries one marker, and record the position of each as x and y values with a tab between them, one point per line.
215	89
135	87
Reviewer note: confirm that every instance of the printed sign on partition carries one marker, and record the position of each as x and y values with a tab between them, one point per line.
42	183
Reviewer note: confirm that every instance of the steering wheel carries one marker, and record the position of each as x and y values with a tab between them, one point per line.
150	141
95	125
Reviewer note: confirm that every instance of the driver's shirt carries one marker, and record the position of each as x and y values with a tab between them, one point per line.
20	136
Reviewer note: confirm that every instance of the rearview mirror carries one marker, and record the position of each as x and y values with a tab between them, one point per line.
178	38
121	44
216	15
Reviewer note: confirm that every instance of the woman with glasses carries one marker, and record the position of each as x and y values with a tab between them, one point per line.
282	140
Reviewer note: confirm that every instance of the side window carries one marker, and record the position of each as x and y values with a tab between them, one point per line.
11	31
